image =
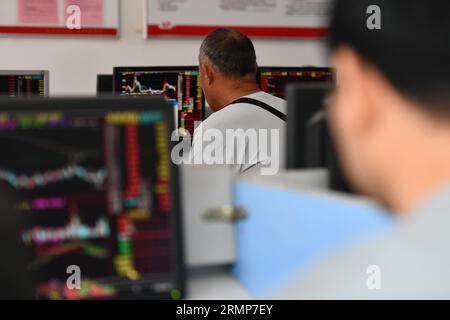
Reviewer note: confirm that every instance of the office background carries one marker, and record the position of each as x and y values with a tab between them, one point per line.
74	62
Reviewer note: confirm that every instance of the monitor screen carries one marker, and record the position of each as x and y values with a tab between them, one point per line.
273	80
105	86
23	84
89	184
179	85
309	141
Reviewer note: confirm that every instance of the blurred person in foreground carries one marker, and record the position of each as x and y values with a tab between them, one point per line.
390	116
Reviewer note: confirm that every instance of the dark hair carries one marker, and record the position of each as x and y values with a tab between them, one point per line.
231	51
412	48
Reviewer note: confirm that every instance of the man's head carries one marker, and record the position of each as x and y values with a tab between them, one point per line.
391	110
227	62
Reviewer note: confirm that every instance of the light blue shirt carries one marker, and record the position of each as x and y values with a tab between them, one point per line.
411	262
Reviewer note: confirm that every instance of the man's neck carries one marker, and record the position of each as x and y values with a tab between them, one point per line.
417	181
235	92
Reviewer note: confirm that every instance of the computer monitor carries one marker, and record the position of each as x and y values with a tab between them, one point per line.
105	85
309	142
88	185
179	85
273	80
24	84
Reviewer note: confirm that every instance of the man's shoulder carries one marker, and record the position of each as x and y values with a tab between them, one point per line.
229	116
219	119
410	256
271	100
243	115
242	109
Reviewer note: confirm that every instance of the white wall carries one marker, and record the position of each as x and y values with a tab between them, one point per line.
74	63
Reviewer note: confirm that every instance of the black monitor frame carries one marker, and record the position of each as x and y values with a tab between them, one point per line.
101	80
304	101
118	85
99	106
293	69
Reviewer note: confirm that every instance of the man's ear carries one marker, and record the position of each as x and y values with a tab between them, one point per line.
209	74
355	80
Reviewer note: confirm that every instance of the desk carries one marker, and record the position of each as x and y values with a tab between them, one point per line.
216	284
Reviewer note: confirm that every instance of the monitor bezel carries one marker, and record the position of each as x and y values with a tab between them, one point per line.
295	150
86	106
117	84
296	123
99	76
45	73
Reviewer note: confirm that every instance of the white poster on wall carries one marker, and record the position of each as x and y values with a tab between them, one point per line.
50	17
264	18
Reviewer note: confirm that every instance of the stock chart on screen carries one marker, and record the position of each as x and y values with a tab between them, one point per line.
23	84
95	188
273	80
180	86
